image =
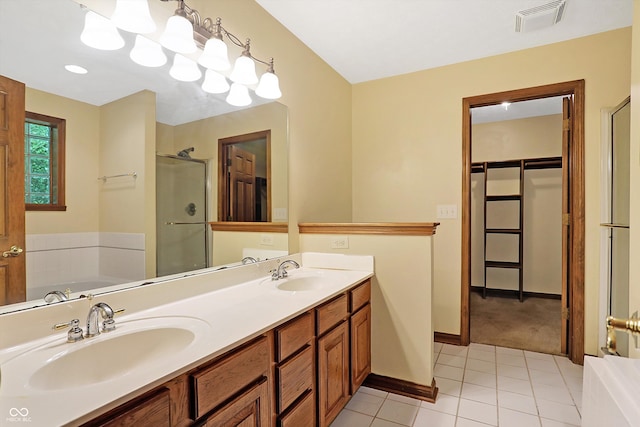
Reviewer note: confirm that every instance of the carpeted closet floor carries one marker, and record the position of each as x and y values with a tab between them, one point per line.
533	324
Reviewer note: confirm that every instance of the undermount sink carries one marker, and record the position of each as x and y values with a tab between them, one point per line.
134	345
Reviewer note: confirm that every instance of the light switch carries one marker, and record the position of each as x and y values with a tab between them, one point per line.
447	211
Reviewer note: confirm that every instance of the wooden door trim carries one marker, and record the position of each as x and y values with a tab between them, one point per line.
222	188
576	203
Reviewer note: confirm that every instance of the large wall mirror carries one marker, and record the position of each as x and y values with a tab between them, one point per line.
141	159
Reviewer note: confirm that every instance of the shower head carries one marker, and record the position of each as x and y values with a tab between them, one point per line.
185	153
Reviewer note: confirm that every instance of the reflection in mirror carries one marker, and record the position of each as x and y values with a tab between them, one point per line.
120	118
244	170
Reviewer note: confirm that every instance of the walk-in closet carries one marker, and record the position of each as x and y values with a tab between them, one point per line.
516	225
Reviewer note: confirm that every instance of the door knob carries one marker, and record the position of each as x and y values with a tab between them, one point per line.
14	251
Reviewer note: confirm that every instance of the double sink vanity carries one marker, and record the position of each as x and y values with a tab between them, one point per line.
219	348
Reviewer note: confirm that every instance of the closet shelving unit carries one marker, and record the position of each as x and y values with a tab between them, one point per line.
521	165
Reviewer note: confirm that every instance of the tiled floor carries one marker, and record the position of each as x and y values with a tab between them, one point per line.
480	385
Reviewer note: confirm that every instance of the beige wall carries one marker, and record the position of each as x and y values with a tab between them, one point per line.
542	260
319	102
228	245
81	169
204	134
634	229
128	139
407	146
401	298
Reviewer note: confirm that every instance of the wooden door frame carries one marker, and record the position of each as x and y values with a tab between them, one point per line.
222	179
575	263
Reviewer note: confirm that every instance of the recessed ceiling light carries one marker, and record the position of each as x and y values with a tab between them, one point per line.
76	69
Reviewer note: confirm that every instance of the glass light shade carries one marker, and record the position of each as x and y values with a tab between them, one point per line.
178	35
238	95
147	53
133	16
244	71
100	33
214	82
215	55
269	87
184	69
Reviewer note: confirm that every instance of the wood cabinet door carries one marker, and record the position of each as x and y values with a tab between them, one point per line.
153	411
333	373
12	231
250	409
360	346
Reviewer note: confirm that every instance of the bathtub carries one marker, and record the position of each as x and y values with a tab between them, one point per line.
39	292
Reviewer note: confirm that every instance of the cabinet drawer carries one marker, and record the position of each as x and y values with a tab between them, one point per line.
293	335
331	313
295	377
225	377
301	415
360	296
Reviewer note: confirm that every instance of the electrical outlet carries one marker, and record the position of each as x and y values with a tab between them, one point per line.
266	239
447	211
280	214
341	242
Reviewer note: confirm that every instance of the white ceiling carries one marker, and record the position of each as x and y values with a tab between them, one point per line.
371	39
361	39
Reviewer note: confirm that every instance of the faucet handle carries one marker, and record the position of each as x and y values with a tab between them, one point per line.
109	324
75	333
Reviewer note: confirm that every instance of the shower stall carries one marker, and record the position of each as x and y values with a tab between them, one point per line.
181	214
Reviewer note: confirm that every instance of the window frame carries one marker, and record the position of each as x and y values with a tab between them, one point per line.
59	152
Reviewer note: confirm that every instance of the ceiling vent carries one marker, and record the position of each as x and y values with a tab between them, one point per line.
540	16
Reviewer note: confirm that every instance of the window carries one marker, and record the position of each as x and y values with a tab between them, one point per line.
44	162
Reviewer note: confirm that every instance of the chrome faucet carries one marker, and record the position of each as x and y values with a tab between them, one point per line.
248	260
108	324
281	271
53	295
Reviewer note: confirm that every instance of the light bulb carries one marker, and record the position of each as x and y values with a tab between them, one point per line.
100	33
133	16
184	69
178	35
147	53
214	82
238	95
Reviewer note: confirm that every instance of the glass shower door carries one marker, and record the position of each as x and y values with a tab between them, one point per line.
619	221
181	228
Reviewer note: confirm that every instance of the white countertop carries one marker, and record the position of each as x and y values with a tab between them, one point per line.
224	318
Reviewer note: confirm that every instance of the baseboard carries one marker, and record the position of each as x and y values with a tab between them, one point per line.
507	293
444	338
402	387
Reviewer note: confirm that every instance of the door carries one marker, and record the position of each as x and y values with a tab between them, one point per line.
181	215
241	173
12	233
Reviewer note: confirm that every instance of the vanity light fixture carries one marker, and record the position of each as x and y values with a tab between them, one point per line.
100	33
210	37
185	33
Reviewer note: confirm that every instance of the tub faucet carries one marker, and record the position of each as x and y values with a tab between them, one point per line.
51	296
281	271
92	319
